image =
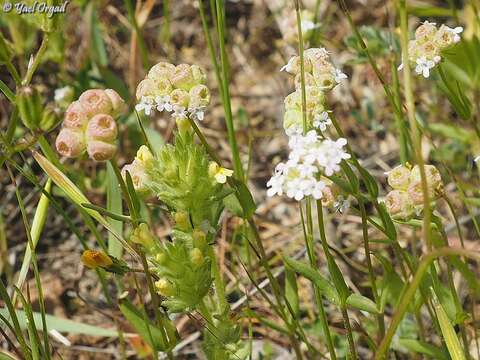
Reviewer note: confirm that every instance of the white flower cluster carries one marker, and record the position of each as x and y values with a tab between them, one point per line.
177	89
424	52
310	158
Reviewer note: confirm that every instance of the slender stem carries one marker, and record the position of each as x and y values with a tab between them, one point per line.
410	290
348	327
237	163
417	141
313	263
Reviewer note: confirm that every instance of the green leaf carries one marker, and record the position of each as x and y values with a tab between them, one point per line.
291	290
7	92
245	198
449	335
147	331
361	302
325	287
62	325
421	347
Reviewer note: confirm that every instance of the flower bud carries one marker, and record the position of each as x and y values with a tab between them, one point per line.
144	157
196	257
199	96
398	204
50	117
183	77
183	125
70	142
199	238
179	97
75	116
95	101
182	220
161	70
399	177
164	287
415	193
199	76
147	87
138	175
161	258
118	104
102	127
100	150
143	236
29	104
94	259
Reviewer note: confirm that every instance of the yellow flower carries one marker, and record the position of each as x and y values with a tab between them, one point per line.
219	173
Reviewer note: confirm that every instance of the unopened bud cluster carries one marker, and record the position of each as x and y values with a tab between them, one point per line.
424	52
89	124
407	198
312	155
179	89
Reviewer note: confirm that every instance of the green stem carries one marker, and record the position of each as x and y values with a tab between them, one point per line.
373	282
37	59
313	263
237	164
410	290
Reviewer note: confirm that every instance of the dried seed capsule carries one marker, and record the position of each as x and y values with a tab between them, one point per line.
425	32
75	116
199	97
199	76
70	142
415	193
95	101
399	178
399	204
100	150
433	177
179	97
102	127
183	77
118	105
161	70
147	87
309	80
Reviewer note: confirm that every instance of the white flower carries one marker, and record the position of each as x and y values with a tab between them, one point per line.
456	33
339	75
321	121
63	93
423	66
197	113
163	103
179	112
308	25
275	185
477	158
289	66
146	104
317	191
